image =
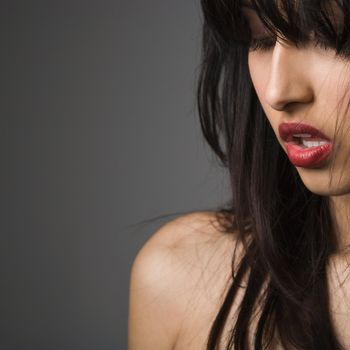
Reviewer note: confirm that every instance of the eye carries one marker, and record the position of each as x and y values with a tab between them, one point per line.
262	44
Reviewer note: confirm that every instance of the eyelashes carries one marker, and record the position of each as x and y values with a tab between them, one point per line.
262	44
267	43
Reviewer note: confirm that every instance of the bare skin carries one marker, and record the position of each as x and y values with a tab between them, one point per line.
177	283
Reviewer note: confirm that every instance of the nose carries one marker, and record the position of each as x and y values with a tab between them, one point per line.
288	79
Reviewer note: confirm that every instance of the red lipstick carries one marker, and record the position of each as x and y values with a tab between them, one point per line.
306	146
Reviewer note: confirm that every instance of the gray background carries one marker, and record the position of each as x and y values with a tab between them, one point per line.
99	131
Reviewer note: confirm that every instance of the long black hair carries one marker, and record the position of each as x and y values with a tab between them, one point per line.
291	228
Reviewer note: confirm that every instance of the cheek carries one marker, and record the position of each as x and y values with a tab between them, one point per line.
334	93
333	97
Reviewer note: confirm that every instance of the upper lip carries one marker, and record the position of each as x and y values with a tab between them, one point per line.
287	130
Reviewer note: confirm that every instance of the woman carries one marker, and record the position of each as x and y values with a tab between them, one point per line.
268	271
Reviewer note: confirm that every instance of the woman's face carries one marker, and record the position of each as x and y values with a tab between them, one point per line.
306	85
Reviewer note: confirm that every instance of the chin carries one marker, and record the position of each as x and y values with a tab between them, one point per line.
321	185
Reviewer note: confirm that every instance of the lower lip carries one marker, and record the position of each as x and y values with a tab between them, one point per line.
308	157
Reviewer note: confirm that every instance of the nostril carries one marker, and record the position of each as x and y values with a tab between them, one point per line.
279	106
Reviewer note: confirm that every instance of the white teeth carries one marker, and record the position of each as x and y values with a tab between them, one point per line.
313	143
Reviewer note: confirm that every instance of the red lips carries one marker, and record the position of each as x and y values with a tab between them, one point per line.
305	156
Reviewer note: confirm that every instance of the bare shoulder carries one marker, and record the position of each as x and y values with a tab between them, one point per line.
186	263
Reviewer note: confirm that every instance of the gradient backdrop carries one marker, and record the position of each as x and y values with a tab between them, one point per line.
99	131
